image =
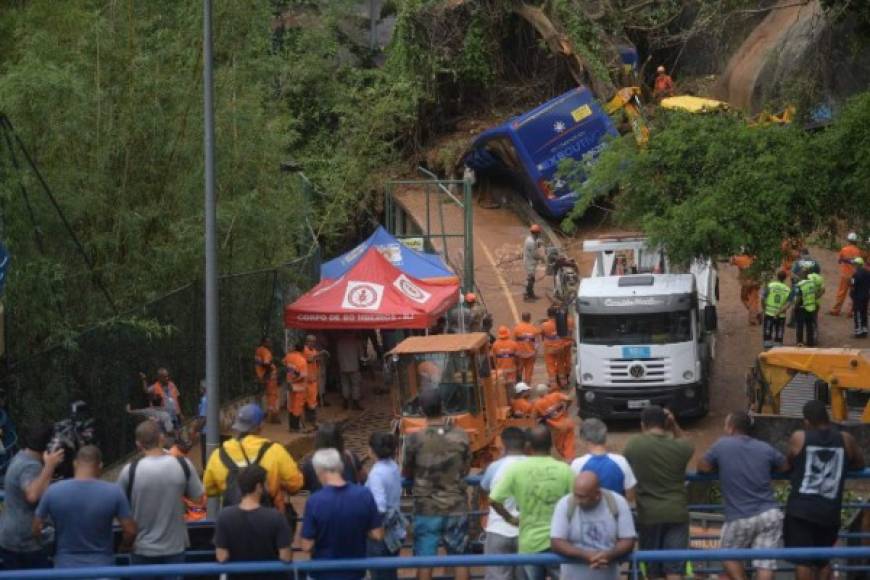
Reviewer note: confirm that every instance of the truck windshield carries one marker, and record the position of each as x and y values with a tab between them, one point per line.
656	328
453	374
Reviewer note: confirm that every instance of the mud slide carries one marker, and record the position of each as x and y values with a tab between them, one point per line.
773	38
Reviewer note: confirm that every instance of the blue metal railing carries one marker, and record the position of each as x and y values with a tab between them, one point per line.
297	568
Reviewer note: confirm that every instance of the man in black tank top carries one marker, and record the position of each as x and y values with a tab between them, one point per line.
820	456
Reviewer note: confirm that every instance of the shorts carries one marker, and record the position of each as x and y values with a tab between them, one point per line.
430	530
760	531
801	533
663	537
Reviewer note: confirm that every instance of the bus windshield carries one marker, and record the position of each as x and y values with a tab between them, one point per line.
656	328
453	374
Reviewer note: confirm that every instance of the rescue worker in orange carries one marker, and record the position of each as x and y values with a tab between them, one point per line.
847	269
791	251
554	346
750	289
504	355
552	409
297	383
312	357
564	368
527	337
664	84
164	389
521	405
266	372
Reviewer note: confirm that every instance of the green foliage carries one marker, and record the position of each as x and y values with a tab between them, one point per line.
709	185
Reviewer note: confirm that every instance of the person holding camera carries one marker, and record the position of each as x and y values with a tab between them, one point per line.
28	476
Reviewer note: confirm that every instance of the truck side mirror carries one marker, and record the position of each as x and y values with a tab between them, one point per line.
711	320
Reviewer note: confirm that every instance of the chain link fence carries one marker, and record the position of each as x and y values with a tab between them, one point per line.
101	365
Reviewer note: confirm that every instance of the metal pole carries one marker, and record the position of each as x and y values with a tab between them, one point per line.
373	25
212	368
469	236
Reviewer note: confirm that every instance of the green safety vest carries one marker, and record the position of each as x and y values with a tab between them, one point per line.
818	281
808	291
777	296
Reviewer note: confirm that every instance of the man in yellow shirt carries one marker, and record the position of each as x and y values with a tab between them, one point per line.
282	474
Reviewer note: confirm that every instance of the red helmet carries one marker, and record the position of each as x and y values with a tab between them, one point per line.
470	298
535	229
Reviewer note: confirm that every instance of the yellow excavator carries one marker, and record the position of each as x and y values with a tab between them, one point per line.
837	371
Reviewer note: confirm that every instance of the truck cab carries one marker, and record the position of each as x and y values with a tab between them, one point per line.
645	332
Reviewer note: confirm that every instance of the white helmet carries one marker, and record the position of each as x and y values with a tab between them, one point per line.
520	388
852	237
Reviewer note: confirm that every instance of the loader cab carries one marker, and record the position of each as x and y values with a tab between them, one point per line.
458	366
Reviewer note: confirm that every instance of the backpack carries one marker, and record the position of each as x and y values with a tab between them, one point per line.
232	493
131	477
609	499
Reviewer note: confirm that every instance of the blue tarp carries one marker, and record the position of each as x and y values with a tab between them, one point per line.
415	264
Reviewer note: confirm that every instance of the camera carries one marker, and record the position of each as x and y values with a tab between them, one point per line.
71	434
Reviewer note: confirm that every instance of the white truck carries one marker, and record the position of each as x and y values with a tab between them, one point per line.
644	332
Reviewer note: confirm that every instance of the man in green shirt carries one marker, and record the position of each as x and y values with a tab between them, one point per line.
536	484
659	457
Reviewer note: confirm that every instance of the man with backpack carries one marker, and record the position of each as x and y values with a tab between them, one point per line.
593	526
155	485
246	448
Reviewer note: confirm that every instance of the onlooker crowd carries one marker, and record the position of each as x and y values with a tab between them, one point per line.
538	503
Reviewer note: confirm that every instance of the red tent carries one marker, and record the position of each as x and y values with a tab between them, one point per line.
372	294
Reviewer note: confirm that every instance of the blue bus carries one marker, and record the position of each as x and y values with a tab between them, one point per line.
530	147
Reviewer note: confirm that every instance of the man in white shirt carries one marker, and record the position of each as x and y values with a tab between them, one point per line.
593	526
502	537
613	471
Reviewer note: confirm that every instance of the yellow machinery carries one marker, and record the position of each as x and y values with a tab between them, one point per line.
842	369
458	366
627	100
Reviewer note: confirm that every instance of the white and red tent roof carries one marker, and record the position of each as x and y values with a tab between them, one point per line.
373	293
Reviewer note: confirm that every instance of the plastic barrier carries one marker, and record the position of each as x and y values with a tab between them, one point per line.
300	568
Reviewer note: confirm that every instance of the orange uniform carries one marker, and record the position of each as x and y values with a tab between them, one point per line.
553	409
522	407
297	378
504	353
847	254
564	367
664	86
267	376
790	252
171	390
194	511
526	336
750	289
554	346
313	377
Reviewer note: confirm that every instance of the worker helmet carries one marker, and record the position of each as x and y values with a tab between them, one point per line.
858	261
535	229
470	298
504	332
852	237
660	69
521	388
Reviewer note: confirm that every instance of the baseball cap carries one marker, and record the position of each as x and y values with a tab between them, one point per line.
248	418
521	388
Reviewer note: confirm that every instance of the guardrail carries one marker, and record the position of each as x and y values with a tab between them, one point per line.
297	568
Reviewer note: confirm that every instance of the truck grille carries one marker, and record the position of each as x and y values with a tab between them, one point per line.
639	371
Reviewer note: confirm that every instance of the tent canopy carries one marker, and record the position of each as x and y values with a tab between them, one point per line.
428	267
373	293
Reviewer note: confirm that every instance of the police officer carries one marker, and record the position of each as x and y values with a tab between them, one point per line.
776	300
806	314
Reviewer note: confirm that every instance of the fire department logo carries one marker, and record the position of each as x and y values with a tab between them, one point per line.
363	296
411	290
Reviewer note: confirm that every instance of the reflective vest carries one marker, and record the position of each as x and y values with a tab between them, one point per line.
808	295
777	295
818	281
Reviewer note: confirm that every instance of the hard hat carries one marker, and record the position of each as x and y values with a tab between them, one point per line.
660	69
504	332
470	298
535	229
852	237
521	388
858	261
